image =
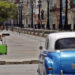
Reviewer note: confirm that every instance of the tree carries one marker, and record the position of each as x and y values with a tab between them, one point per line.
73	1
7	11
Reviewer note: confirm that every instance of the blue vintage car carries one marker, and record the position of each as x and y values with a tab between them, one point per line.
58	58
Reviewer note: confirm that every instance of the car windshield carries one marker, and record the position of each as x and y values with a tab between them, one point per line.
66	43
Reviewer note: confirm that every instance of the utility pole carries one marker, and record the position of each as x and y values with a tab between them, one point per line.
48	24
31	13
60	23
66	15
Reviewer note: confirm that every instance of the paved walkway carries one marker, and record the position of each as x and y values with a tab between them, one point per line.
22	47
18	69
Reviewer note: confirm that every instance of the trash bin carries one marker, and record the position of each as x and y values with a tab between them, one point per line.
3	49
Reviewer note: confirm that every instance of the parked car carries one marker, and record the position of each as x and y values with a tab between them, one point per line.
58	58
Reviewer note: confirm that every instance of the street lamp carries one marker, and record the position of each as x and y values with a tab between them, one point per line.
20	14
66	16
60	23
39	5
48	24
32	13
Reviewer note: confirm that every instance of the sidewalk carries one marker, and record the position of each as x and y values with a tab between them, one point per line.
22	47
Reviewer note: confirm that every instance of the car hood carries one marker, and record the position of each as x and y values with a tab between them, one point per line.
67	61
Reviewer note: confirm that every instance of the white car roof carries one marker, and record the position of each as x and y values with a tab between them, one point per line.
53	37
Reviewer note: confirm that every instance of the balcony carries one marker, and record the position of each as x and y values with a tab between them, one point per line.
54	9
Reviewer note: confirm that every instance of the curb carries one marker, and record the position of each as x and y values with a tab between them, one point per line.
19	62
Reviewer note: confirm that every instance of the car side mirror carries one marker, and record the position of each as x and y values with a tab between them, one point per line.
41	48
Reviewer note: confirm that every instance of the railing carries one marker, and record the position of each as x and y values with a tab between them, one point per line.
36	32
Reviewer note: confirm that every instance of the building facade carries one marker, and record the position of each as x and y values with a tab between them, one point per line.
72	6
54	13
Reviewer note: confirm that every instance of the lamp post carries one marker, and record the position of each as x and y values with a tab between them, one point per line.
20	14
32	13
48	24
66	15
39	5
60	23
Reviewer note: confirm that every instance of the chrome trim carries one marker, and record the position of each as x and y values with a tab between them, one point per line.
49	74
43	54
61	72
61	50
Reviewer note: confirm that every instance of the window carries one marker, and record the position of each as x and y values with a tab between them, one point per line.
65	43
47	43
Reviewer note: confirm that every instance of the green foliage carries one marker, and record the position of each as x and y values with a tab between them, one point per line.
7	11
74	1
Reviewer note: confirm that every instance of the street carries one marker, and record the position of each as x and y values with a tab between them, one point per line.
18	69
29	23
22	47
